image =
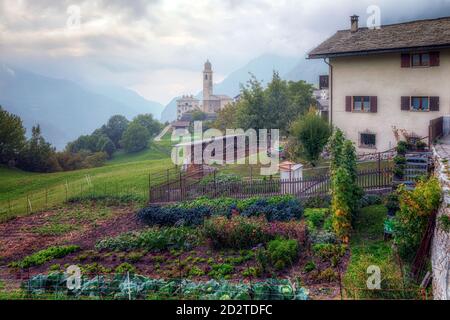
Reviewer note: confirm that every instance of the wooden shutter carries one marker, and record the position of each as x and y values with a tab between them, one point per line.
434	59
434	103
348	104
373	104
406	60
406	103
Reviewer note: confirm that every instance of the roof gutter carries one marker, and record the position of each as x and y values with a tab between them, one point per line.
376	51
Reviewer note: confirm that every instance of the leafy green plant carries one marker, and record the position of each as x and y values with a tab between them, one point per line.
251	272
43	256
309	266
154	239
125	268
315	217
282	253
328	275
221	270
195	271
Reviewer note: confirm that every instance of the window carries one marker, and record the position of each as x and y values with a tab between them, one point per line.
420	104
420	60
367	140
361	104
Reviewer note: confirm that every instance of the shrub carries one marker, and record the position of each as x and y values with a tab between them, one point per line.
330	252
315	217
370	200
411	220
282	252
216	206
328	275
152	239
280	209
170	216
290	230
318	202
195	271
43	256
402	147
237	232
392	204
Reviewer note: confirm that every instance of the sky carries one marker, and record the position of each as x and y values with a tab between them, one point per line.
158	47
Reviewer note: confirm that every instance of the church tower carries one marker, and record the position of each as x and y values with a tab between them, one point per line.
207	82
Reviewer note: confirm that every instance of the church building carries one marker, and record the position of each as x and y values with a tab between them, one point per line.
211	103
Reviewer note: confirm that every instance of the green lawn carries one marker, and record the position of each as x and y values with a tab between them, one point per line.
369	249
22	192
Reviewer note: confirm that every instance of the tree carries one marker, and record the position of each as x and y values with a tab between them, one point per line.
312	133
350	165
38	155
300	98
115	128
152	125
12	136
104	144
250	110
276	104
135	138
226	118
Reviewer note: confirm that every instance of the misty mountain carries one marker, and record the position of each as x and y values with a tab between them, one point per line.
289	68
64	109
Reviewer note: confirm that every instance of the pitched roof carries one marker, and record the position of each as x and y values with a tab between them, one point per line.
420	34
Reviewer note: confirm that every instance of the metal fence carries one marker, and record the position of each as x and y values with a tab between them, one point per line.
370	180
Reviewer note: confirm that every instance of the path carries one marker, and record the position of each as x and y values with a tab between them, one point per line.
163	132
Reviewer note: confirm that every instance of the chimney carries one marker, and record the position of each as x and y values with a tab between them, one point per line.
354	23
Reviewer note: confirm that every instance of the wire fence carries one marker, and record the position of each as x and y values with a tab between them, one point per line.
129	286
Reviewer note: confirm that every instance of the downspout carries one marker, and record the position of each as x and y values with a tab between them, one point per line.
330	84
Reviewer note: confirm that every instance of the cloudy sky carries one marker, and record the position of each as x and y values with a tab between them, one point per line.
157	47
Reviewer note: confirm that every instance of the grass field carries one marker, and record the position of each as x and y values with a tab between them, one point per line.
23	192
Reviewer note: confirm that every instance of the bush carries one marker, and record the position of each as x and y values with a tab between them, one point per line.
282	253
216	206
170	216
411	220
370	200
221	270
125	268
309	266
330	252
318	202
290	230
315	217
43	256
279	209
135	138
391	203
152	239
237	232
402	147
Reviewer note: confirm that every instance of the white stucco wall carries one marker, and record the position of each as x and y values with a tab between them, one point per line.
382	76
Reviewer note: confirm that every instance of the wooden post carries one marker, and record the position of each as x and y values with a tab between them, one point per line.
149	189
168	188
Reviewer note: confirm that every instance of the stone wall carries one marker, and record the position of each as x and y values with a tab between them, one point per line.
440	248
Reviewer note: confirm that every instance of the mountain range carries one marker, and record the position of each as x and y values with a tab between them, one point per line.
262	68
64	109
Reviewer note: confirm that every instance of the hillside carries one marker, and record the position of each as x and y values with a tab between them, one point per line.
123	173
64	109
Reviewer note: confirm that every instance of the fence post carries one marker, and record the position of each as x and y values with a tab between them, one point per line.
181	188
168	187
215	185
149	189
